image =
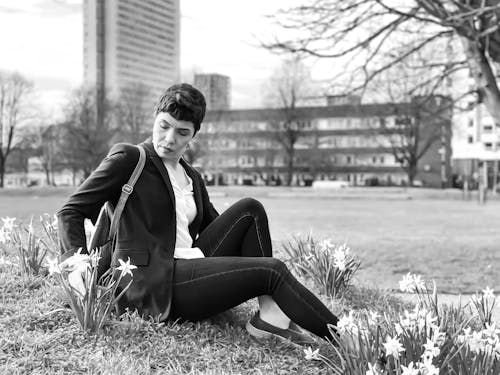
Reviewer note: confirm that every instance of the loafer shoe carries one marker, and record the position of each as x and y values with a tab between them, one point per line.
260	329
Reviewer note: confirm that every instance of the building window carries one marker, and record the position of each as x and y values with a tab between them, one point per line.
487	128
488	145
471	123
470	139
374	160
348	159
381	160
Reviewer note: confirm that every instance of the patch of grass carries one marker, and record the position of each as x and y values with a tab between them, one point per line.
41	335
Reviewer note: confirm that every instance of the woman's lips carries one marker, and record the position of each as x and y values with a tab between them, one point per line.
167	149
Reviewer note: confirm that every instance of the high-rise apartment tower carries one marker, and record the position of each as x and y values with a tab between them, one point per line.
127	42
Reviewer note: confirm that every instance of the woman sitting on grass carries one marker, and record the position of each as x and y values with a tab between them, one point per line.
192	262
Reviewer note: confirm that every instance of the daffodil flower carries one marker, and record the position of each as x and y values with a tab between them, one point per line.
8	223
410	369
488	293
126	267
311	355
77	261
53	265
393	347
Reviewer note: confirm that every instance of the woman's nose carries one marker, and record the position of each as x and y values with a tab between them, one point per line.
170	136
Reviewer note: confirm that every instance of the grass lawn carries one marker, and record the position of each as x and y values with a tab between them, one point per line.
454	242
451	241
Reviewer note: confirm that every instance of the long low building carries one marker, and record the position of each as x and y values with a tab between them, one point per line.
355	143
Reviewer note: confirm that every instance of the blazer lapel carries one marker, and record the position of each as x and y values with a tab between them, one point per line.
158	163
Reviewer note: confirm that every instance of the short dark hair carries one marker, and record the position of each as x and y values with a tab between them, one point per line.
183	102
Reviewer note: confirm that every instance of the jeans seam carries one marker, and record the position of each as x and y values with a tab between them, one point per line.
244	215
219	274
258	236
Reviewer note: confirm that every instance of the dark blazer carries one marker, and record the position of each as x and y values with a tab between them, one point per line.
147	228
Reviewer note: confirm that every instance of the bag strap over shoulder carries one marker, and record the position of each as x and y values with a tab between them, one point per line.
126	191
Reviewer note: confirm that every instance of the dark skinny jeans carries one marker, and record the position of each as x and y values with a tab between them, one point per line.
239	266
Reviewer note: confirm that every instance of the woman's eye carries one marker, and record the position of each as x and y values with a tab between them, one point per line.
164	125
183	133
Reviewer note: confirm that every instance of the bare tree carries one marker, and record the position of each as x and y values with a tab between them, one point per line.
84	139
370	36
421	113
14	89
134	111
287	88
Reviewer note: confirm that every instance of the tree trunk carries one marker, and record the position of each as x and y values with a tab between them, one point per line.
290	167
412	173
484	77
2	172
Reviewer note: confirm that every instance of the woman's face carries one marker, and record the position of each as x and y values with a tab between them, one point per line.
171	136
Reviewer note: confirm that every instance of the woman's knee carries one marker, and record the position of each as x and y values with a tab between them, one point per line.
252	205
277	265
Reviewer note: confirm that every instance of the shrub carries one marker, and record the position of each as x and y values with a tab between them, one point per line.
330	266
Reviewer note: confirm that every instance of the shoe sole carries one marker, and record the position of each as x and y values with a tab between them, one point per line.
261	334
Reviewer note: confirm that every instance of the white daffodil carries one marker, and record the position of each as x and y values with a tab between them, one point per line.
491	330
411	283
410	369
4	236
430	346
8	223
340	264
126	267
326	245
405	285
30	226
418	283
393	347
77	261
347	324
438	337
375	369
428	368
371	370
311	355
488	293
373	317
53	265
399	329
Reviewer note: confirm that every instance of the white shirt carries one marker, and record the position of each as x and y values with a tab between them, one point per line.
185	211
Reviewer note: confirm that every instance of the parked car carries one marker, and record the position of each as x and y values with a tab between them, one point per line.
330	184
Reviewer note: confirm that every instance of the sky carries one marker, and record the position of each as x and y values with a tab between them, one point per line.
43	40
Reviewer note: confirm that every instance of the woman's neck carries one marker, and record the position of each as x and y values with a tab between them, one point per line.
174	163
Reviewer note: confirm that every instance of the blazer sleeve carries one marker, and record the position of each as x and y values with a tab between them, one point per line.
104	184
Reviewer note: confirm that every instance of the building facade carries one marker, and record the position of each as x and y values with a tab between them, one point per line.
131	41
477	142
353	143
216	88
